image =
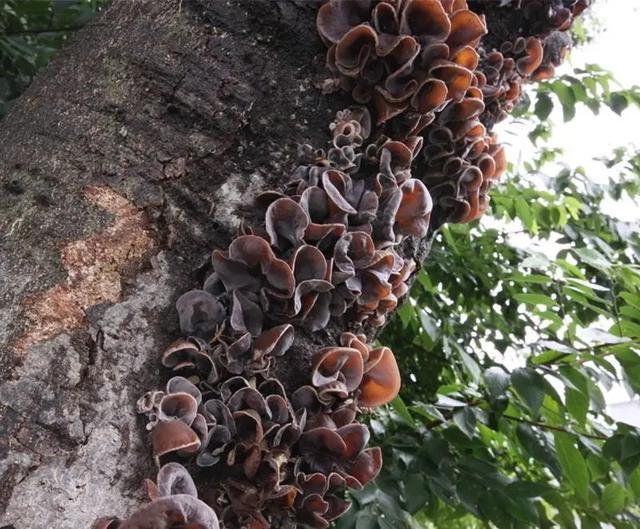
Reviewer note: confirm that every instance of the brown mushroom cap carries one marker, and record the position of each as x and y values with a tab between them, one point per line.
248	258
381	380
275	341
173	512
335	19
414	211
426	19
355	437
533	59
466	27
366	467
181	406
174	479
199	313
190	357
173	436
246	315
109	522
182	385
337	364
286	222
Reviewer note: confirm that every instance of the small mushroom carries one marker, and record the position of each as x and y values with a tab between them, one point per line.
190	357
533	59
430	96
466	27
180	406
286	223
365	468
174	505
337	370
174	479
275	341
381	380
246	315
173	437
426	19
412	217
336	18
354	48
199	313
215	444
182	385
352	252
173	512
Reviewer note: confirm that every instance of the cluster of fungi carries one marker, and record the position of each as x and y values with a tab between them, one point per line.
414	153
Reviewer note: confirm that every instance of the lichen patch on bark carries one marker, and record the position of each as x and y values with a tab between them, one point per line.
94	269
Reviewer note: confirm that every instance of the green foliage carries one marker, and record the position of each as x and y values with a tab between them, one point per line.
591	87
515	330
30	32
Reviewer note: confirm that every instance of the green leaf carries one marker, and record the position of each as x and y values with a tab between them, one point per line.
530	278
524	213
634	483
544	106
598	466
630	328
631	299
430	326
416	492
573	465
448	236
528	489
522	509
593	258
577	405
366	520
618	102
447	402
630	312
535	299
613	498
576	393
428	411
530	386
565	514
465	419
470	365
586	522
406	314
497	381
567	99
402	410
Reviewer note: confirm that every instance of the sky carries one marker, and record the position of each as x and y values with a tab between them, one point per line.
613	49
590	136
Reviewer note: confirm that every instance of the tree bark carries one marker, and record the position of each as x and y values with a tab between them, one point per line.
122	166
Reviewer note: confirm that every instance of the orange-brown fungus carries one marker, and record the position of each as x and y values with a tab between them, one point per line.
325	252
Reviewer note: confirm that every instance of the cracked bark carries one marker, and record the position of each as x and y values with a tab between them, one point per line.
121	168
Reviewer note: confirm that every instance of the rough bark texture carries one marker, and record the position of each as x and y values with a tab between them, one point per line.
121	168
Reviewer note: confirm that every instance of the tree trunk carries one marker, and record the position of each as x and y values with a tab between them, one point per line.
122	166
127	161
